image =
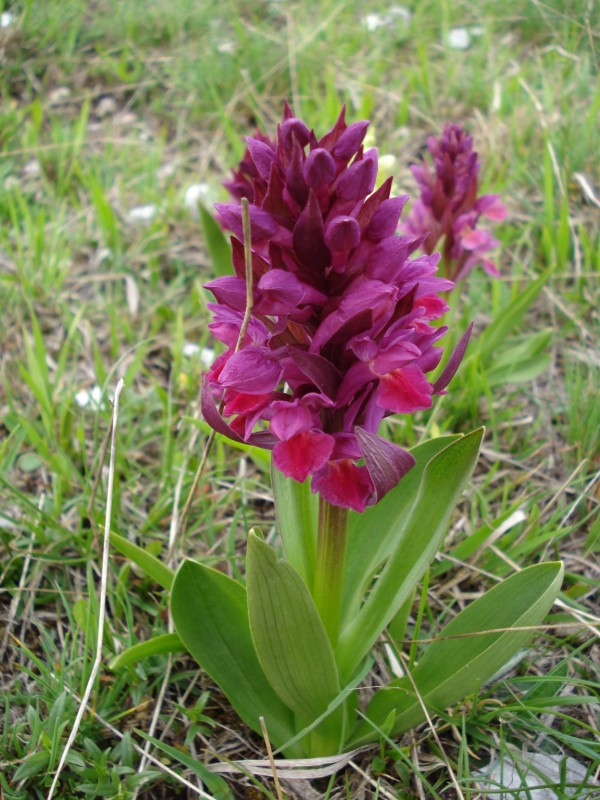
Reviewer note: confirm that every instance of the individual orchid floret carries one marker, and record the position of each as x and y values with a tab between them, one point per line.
240	184
449	207
342	331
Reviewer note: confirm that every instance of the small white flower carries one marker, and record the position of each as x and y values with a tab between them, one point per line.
386	163
32	168
6	19
373	21
459	39
206	354
143	214
197	192
190	349
92	398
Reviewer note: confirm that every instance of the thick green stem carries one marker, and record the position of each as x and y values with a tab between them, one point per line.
329	569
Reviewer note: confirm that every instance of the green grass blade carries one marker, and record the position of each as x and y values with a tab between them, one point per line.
217	243
151	565
213	782
493	338
158	645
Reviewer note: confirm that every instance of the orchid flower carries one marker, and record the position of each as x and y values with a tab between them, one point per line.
450	208
342	332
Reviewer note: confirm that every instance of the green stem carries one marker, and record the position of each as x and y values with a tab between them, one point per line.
329	569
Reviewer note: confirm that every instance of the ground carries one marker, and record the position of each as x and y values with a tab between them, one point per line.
108	118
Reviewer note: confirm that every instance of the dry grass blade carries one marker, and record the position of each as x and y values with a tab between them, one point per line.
289	769
102	600
265	733
434	733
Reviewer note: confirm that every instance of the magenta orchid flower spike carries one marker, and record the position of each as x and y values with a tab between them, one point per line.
342	332
449	206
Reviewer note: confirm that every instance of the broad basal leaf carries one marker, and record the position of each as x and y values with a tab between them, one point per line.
289	637
211	616
457	663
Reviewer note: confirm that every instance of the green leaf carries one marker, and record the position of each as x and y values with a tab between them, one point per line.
153	568
522	362
290	639
217	244
372	535
414	547
454	667
32	765
213	782
492	339
210	613
297	516
158	645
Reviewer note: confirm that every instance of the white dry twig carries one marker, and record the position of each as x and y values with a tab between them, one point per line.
102	601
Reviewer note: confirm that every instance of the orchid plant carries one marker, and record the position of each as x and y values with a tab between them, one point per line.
329	326
449	207
452	214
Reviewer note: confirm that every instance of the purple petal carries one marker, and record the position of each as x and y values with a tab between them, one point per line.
492	207
309	239
303	454
344	484
330	138
262	224
385	219
226	325
319	168
293	129
350	140
387	463
453	362
343	233
359	179
262	155
252	371
229	290
318	370
289	419
387	258
285	287
217	423
294	182
404	390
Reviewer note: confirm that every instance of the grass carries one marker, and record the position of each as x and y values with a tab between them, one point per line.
103	113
